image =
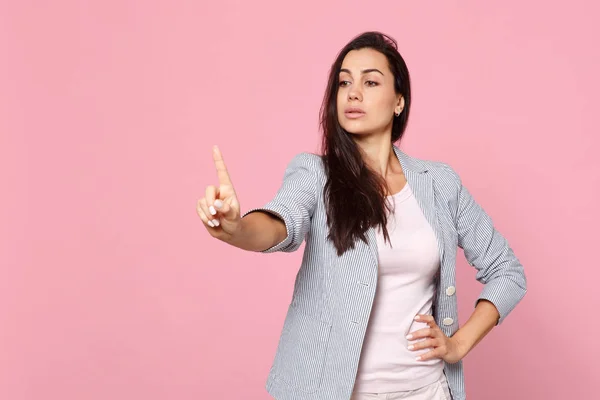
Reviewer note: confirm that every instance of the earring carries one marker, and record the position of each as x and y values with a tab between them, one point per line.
398	113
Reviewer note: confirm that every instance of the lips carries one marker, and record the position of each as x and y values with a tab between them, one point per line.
353	112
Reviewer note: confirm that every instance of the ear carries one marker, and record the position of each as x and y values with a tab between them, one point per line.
401	102
399	105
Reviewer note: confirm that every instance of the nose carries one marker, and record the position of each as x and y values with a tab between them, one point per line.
354	94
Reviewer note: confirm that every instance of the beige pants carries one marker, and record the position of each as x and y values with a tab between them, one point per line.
436	391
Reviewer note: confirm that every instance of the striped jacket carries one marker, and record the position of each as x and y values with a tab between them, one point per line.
319	348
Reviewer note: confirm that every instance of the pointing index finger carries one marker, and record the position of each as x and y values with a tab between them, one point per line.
222	173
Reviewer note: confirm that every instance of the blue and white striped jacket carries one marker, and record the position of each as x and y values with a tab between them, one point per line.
320	345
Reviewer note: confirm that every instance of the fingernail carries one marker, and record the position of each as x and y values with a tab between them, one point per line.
411	347
216	222
417	318
218	204
418	358
210	224
212	210
409	336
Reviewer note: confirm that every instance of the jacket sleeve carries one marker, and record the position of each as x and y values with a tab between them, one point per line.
488	251
295	201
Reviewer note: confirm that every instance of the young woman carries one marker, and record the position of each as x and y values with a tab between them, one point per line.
374	312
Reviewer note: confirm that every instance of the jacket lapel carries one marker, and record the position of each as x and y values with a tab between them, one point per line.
421	183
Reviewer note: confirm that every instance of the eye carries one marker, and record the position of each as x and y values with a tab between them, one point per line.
343	83
371	83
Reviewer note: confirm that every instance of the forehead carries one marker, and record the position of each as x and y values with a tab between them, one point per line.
357	60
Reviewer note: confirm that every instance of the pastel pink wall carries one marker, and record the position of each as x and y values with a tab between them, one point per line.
111	288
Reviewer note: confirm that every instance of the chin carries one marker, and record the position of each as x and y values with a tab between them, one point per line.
357	128
358	132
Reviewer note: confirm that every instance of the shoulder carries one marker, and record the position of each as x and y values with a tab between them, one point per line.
306	157
308	162
440	171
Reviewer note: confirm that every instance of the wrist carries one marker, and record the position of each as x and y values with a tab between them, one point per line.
463	347
236	237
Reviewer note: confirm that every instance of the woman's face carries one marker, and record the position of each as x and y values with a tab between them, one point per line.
366	98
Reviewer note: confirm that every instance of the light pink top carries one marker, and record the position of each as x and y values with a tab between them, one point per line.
405	288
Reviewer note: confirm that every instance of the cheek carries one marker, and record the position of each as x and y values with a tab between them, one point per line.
381	111
341	103
384	109
385	104
341	98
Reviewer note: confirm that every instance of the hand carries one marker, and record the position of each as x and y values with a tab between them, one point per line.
220	209
448	349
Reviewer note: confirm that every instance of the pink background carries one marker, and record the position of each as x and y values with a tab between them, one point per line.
110	286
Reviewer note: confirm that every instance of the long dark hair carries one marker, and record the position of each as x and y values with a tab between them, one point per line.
354	194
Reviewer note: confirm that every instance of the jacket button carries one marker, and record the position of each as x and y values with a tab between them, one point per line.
448	321
450	290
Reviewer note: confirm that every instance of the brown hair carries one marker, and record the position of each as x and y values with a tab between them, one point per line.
354	194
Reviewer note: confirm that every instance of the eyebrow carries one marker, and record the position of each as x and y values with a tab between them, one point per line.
364	71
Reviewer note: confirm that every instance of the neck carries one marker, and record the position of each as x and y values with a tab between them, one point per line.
379	154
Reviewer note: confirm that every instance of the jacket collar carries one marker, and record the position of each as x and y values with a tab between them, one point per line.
410	163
